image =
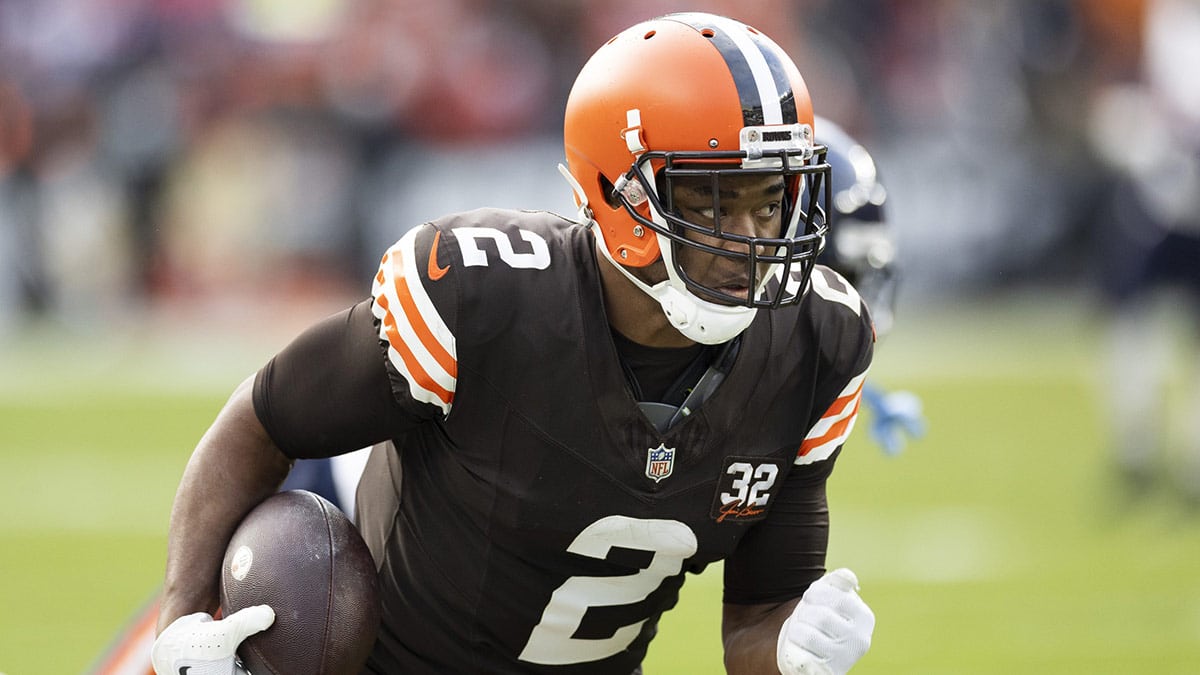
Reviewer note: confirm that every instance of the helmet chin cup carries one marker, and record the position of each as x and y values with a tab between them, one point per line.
699	320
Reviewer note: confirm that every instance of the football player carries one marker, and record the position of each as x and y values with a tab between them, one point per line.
567	417
1148	260
861	248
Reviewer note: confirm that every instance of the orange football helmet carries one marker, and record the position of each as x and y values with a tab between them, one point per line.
696	94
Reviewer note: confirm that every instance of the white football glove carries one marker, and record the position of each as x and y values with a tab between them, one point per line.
828	631
197	645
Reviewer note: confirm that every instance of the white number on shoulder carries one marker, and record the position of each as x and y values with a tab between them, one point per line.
551	642
473	256
831	286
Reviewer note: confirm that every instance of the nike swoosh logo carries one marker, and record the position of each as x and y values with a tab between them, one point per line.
436	272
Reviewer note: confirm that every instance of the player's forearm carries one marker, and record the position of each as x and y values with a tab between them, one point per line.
750	634
234	467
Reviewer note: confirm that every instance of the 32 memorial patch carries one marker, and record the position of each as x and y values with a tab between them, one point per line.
745	489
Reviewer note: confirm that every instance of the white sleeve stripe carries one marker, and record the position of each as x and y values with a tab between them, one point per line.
824	424
832	430
427	313
435	383
764	80
825	450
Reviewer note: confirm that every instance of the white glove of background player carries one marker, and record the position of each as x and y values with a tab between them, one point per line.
197	645
829	631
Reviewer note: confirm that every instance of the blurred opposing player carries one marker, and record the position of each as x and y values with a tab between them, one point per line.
1149	260
861	248
568	417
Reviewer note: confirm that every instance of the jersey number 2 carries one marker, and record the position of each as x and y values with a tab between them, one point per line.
551	642
473	256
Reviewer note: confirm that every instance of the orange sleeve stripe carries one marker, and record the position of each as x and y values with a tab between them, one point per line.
840	404
379	277
836	430
417	322
410	361
389	324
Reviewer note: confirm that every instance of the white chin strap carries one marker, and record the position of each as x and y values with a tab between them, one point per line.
697	319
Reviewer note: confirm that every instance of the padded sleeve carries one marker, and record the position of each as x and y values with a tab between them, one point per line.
328	391
783	554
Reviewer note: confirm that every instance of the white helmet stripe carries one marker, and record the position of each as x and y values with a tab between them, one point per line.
768	92
766	98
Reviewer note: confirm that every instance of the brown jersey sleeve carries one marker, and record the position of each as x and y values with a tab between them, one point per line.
328	391
782	555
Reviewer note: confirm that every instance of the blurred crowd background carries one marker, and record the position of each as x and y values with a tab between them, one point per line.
159	152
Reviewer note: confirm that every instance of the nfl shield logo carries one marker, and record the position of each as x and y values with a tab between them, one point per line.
660	462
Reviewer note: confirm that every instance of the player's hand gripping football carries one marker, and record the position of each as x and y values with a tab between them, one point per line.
829	631
197	645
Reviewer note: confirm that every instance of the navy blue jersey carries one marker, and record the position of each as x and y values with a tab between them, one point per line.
524	514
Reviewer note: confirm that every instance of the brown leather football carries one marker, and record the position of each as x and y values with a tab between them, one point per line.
299	554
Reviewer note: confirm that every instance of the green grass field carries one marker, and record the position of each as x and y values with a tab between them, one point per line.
996	544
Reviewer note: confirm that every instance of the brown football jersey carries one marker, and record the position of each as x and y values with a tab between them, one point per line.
524	513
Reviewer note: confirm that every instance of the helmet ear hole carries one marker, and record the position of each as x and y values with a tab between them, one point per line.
610	193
